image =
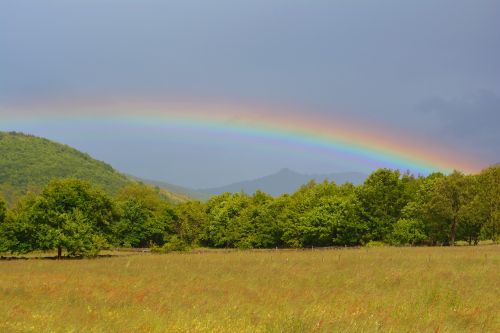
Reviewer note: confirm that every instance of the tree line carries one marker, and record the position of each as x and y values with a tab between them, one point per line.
71	215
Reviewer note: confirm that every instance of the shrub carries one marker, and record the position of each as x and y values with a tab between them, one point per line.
173	243
375	244
408	232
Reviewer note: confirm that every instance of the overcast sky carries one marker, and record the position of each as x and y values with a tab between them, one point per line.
428	67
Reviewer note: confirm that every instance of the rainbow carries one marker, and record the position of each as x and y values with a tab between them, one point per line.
352	140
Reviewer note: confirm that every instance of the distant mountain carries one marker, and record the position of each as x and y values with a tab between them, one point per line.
285	181
27	163
180	190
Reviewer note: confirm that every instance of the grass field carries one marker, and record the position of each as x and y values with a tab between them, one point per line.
359	290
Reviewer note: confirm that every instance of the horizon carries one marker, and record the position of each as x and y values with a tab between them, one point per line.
273	183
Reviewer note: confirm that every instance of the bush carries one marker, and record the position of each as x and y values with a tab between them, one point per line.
375	244
408	232
173	243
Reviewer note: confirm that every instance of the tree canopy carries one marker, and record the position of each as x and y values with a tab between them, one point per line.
68	214
78	218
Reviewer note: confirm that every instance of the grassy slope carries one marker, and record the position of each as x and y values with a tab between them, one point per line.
170	196
179	190
373	289
27	163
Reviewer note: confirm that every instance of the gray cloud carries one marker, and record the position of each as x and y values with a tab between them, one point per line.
471	121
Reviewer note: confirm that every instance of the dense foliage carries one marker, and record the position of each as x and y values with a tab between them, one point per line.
390	207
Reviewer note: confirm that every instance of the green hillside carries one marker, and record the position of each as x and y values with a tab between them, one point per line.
27	163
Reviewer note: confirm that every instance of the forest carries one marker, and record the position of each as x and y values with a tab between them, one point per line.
78	219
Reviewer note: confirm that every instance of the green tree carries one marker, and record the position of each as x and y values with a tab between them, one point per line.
224	228
76	234
383	196
303	200
190	221
133	229
487	203
145	218
446	205
418	209
333	219
68	214
323	215
472	217
408	232
17	230
265	216
256	225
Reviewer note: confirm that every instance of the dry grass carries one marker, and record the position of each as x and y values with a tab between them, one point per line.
361	290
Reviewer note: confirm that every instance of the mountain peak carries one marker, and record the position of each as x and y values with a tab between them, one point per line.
284	181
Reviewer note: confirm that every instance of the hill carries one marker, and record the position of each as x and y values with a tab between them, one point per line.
285	181
179	190
27	163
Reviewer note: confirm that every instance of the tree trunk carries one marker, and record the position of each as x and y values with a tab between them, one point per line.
59	252
453	231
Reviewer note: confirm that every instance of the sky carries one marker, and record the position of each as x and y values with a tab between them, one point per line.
425	72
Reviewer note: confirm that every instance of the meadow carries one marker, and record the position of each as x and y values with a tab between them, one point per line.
389	289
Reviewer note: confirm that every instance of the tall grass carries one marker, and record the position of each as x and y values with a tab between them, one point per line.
362	290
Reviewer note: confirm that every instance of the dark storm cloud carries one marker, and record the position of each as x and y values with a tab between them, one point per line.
324	53
472	121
